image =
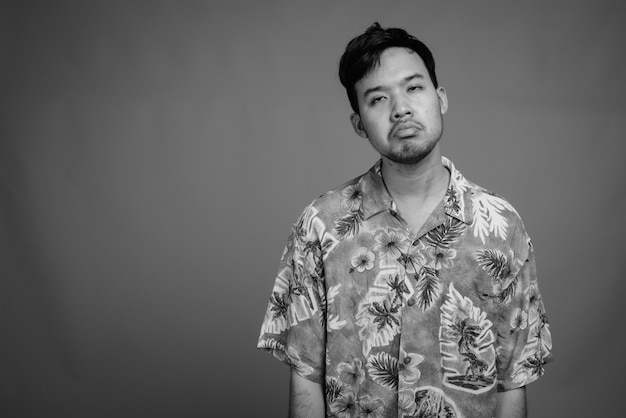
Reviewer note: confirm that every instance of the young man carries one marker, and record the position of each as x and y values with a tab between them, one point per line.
408	291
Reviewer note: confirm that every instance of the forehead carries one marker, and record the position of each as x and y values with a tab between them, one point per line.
395	65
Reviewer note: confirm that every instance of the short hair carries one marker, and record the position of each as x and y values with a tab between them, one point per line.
362	55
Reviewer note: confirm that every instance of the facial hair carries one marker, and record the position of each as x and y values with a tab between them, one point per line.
412	153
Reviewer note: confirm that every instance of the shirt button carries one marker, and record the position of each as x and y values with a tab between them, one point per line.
407	360
411	302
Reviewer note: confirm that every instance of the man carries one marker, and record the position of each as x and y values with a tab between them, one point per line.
408	291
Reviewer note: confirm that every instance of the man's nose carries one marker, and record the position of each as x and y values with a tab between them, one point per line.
400	109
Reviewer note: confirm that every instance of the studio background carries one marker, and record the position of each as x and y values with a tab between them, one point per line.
154	154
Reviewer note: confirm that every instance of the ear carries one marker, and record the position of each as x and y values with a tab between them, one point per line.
443	99
357	125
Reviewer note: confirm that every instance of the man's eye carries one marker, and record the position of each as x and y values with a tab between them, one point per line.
376	100
415	88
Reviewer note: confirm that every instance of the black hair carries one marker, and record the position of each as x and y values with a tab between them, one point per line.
362	54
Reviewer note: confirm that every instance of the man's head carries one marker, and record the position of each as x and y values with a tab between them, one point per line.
362	55
398	105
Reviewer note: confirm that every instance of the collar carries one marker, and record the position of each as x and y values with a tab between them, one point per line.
377	199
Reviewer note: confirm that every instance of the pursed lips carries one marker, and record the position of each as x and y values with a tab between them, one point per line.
405	129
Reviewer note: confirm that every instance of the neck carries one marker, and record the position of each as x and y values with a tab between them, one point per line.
420	181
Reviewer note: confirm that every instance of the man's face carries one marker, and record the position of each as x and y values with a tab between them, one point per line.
400	109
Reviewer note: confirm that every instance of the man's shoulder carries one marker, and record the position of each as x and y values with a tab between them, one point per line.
491	215
472	193
477	200
323	213
337	197
485	199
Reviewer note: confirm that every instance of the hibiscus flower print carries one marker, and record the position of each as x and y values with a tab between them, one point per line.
409	373
442	257
362	260
345	406
370	408
390	244
351	374
519	320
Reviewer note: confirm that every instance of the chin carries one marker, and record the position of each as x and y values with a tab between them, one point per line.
411	154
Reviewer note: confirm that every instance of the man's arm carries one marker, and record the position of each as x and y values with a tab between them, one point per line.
511	403
306	398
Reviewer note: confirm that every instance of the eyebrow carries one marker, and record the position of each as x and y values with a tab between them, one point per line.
404	80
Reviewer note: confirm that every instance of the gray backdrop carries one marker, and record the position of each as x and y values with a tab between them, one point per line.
154	154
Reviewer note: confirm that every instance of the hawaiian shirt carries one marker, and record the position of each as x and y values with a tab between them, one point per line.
400	323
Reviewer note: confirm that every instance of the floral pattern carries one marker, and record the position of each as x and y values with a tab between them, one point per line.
354	276
362	260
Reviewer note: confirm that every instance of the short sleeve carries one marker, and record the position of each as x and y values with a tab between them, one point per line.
524	339
293	329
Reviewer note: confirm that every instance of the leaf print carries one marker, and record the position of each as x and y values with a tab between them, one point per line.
413	257
487	215
452	200
333	389
534	364
334	323
276	348
476	368
543	319
534	298
351	197
327	245
497	265
508	292
384	315
406	402
431	402
297	286
313	247
398	285
302	226
427	287
299	230
312	259
466	332
280	305
323	311
348	225
384	369
445	234
494	262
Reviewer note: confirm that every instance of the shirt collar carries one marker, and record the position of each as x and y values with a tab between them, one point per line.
377	199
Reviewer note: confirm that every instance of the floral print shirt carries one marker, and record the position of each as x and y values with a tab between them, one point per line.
401	323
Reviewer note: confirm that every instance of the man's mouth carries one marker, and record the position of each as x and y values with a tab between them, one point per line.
406	129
